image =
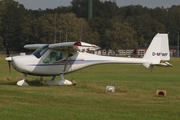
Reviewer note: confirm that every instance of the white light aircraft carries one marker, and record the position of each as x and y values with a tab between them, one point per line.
62	58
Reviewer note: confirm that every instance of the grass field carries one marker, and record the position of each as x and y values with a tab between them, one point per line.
134	97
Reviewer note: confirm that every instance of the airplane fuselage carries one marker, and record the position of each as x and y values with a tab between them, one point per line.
32	65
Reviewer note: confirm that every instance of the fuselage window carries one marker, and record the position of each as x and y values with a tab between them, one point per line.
39	52
53	57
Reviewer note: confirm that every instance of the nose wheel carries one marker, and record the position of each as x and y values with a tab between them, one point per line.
23	82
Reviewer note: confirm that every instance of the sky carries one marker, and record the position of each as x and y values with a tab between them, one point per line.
43	4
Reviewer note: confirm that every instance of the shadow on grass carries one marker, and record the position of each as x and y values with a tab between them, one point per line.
31	83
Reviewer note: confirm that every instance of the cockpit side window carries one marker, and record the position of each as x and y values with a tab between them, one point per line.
53	57
39	52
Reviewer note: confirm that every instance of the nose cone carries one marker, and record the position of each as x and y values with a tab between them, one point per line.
20	63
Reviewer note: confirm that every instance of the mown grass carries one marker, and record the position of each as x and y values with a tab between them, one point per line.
134	97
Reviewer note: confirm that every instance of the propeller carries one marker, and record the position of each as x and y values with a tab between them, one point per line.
8	55
7	50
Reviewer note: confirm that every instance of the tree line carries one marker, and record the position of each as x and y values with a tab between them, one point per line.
110	27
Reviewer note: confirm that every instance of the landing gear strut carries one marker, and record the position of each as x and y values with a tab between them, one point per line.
23	82
50	82
61	82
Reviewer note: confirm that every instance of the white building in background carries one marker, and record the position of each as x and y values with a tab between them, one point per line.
135	52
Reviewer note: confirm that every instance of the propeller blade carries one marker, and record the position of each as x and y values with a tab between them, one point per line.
9	64
7	55
7	50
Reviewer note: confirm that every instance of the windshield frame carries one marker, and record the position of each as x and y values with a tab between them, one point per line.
40	51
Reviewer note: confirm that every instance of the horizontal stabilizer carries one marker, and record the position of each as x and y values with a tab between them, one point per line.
150	66
165	64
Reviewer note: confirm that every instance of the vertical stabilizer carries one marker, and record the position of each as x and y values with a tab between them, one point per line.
157	51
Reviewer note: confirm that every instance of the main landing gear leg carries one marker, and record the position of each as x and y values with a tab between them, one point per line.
61	82
23	82
64	81
52	81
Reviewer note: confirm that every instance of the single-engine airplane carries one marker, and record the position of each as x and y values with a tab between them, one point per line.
62	58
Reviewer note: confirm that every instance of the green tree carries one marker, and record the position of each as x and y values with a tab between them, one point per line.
27	29
121	36
1	29
80	8
73	28
132	10
159	14
51	28
100	25
104	10
146	27
12	19
173	24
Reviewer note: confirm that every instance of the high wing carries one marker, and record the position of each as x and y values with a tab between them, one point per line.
34	46
73	46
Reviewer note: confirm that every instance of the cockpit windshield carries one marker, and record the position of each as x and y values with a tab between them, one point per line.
40	51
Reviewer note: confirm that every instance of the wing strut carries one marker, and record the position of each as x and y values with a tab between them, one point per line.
67	55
